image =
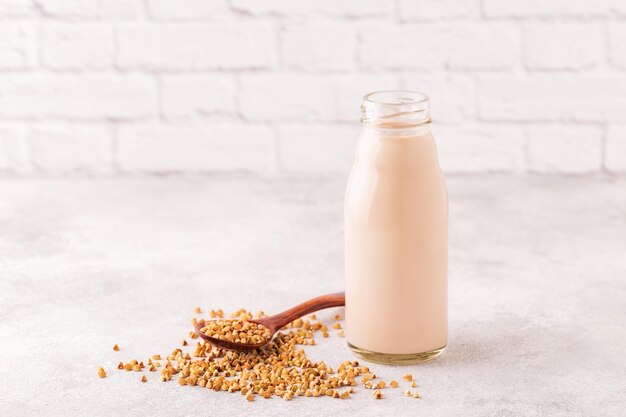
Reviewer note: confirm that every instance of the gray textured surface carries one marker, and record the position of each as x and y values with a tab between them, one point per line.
537	292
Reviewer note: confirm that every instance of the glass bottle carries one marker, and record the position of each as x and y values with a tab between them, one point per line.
396	234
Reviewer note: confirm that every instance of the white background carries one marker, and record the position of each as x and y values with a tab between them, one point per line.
273	87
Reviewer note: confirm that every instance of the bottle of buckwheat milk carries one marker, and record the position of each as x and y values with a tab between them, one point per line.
396	234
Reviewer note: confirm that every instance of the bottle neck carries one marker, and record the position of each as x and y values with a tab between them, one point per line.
396	112
396	131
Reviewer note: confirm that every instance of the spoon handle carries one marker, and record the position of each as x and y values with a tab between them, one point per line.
318	303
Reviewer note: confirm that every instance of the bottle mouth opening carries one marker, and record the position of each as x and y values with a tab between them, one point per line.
395	97
395	109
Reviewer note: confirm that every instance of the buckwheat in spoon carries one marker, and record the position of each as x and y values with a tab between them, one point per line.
237	334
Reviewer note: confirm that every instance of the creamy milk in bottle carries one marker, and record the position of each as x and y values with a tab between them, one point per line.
396	234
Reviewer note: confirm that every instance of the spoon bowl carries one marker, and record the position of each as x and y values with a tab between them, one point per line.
276	322
227	344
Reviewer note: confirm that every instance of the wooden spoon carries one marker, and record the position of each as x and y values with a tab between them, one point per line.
278	321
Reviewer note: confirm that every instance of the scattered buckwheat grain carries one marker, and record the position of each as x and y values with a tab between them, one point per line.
280	369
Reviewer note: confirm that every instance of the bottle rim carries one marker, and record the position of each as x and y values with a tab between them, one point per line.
395	109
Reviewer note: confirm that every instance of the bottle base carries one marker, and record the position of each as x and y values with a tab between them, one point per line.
395	359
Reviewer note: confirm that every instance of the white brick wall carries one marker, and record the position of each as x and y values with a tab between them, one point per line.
480	148
558	46
17	45
71	148
617	44
211	147
273	87
319	47
616	148
189	95
195	46
299	148
186	9
79	10
569	149
12	149
86	46
77	96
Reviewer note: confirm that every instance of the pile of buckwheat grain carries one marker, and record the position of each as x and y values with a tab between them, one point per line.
280	368
238	331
